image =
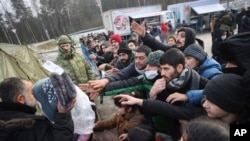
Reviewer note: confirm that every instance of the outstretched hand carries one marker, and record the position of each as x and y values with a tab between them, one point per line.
176	97
139	28
93	95
129	100
111	71
92	92
98	84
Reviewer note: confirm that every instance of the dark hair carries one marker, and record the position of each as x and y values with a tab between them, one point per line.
88	42
117	101
108	67
133	41
190	35
106	44
173	57
11	87
97	46
205	128
144	49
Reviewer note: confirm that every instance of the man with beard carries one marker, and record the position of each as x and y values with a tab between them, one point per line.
176	77
185	37
18	120
155	31
126	57
135	69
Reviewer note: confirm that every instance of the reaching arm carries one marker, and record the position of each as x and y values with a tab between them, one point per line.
147	39
186	112
129	85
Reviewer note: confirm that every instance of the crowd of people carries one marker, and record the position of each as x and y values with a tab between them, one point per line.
164	85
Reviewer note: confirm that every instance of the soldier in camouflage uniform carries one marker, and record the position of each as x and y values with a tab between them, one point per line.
72	62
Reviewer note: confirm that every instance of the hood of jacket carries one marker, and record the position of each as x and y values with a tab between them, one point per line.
236	49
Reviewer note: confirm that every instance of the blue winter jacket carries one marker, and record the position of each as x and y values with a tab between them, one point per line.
210	69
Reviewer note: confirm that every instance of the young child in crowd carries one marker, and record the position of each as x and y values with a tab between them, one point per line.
171	40
126	118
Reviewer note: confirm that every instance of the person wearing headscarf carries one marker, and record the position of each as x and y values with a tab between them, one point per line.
59	89
19	120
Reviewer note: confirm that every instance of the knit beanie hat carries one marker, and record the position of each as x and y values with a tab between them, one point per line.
124	49
189	35
227	92
196	51
49	91
154	58
116	37
63	39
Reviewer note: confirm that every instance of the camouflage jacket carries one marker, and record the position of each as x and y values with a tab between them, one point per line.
75	66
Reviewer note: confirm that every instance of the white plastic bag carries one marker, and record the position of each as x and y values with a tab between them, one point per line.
82	114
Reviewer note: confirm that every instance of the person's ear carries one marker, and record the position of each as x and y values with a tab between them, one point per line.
180	68
20	99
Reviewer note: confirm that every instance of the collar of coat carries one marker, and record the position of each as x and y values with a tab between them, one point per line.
17	107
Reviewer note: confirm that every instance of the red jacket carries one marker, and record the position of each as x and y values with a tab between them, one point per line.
164	29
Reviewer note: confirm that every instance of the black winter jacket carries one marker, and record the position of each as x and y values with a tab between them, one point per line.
166	109
18	122
151	42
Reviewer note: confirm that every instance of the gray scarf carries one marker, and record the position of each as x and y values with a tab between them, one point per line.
181	81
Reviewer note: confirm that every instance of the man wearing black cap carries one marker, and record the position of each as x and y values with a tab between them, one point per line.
226	99
125	56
